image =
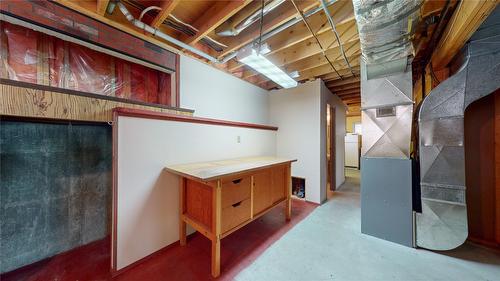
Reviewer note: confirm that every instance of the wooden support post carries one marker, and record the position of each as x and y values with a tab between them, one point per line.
216	228
182	209
288	191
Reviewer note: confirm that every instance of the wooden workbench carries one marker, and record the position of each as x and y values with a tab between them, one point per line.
219	197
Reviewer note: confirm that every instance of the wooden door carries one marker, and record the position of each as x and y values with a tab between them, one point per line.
262	197
330	146
278	184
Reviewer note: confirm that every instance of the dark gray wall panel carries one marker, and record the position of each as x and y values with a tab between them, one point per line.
386	201
55	189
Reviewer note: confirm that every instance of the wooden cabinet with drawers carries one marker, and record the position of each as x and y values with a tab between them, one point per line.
217	198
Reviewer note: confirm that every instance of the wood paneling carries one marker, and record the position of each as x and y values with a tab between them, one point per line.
31	102
465	21
497	163
480	170
199	197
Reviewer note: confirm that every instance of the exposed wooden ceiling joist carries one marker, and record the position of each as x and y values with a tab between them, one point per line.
102	5
218	13
352	57
343	16
316	60
348	92
345	75
466	19
336	83
275	18
343	87
282	43
352	100
166	9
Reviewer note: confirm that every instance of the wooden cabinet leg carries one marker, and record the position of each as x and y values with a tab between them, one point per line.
216	257
182	232
288	192
288	209
182	208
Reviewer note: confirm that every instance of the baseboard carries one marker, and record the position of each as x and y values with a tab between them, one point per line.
115	272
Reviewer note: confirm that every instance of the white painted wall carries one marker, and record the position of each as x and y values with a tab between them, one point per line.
216	94
340	119
148	196
300	114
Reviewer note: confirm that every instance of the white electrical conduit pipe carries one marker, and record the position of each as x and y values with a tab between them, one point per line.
334	29
179	21
157	32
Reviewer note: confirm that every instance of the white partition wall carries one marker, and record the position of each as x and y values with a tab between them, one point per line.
145	209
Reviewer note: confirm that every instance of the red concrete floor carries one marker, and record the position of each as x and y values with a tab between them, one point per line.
192	262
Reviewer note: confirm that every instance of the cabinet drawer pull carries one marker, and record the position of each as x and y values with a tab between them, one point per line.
237	181
237	204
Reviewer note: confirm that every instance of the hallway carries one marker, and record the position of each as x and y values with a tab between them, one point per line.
328	245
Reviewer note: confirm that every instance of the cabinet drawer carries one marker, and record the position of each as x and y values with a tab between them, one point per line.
235	214
235	190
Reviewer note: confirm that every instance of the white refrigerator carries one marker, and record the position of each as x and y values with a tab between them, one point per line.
352	142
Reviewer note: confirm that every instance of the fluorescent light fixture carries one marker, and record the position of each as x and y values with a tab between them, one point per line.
262	65
294	74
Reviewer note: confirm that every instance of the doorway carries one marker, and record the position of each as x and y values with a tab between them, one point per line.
330	150
482	169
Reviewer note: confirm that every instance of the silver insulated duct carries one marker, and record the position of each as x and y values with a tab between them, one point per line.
385	28
442	225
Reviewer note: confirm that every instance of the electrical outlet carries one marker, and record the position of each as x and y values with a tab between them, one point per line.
238	139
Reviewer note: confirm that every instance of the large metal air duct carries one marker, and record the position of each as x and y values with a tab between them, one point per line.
442	225
386	112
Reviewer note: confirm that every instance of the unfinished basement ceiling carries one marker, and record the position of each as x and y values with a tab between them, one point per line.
220	28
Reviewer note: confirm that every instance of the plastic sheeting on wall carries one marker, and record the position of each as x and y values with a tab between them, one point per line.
33	57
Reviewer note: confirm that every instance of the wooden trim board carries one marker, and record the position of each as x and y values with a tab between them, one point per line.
182	118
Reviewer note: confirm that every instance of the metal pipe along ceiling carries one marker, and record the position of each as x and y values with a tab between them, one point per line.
334	29
442	225
233	31
157	32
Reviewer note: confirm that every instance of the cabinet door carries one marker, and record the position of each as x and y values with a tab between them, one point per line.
262	191
278	184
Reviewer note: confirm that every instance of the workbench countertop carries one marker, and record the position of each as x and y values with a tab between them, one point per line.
211	170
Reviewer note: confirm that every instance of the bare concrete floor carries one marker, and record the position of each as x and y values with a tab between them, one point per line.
328	245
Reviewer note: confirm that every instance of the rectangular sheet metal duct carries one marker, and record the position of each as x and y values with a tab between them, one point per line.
386	175
386	135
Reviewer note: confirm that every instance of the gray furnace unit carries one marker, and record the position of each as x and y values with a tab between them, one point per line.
385	29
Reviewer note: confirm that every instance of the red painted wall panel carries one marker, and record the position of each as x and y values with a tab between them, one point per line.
28	55
62	19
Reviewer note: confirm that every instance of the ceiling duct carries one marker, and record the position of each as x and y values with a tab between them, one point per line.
385	28
229	29
442	225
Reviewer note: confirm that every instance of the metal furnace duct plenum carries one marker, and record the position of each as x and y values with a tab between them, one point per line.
386	178
442	225
387	110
